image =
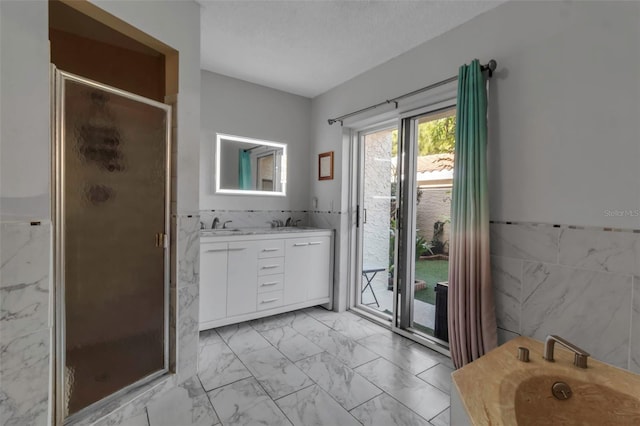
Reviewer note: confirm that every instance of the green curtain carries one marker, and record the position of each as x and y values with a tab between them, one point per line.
244	170
472	321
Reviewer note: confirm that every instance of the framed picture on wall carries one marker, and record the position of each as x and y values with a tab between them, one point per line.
325	166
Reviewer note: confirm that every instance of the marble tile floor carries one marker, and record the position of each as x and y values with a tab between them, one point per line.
304	368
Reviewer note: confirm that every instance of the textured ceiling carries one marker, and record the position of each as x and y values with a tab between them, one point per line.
308	47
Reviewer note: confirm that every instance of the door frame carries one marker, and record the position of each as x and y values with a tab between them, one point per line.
398	323
408	210
58	77
357	201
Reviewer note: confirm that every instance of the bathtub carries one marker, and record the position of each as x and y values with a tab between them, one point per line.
497	389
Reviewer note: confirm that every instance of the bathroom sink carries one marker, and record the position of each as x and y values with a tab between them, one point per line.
589	403
499	389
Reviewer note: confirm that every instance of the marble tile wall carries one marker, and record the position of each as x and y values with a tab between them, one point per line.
25	325
325	219
26	349
25	280
580	283
188	290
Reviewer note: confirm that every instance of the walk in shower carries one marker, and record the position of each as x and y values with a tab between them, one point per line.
111	182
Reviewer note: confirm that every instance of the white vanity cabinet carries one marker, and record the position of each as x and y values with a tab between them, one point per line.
250	276
296	270
242	277
213	281
320	268
307	269
270	274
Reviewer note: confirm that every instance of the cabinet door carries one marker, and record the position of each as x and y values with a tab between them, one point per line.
242	286
319	268
296	270
213	281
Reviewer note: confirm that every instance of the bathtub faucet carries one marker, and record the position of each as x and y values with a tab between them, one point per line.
580	355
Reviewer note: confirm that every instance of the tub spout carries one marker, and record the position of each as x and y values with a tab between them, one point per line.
580	355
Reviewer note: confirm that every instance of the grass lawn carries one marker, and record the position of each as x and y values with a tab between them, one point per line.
431	271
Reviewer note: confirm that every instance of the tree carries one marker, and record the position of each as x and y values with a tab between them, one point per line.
437	136
434	137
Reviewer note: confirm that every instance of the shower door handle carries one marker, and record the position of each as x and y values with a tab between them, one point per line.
162	240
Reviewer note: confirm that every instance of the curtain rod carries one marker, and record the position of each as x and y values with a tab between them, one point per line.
490	67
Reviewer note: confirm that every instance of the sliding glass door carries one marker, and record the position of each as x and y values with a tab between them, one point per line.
378	151
429	192
404	204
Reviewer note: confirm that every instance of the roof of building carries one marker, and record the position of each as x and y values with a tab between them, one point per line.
435	163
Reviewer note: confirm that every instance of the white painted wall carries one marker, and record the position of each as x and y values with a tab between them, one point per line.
24	100
564	108
24	111
236	107
177	24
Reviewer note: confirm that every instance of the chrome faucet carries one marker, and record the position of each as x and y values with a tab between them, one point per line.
215	223
224	225
580	355
288	223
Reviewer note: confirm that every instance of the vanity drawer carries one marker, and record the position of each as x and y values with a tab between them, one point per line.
270	266
270	283
270	248
269	300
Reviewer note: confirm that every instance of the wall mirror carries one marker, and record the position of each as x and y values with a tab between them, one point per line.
250	166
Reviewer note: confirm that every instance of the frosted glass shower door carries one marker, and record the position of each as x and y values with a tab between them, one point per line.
111	221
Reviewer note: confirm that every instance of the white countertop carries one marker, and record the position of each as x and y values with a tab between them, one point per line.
270	232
